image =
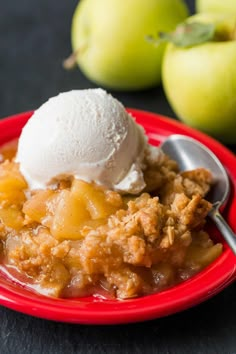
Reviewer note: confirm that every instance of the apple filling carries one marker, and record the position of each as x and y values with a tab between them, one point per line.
79	239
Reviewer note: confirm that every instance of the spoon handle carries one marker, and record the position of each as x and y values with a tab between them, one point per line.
224	228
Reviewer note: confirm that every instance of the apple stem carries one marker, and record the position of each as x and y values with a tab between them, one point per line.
70	62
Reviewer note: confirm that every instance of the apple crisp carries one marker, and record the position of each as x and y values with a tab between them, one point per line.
77	239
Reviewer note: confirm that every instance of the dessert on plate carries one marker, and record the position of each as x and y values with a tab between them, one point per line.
88	206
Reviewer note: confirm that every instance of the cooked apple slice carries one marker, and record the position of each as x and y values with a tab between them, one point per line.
94	198
70	215
12	218
38	206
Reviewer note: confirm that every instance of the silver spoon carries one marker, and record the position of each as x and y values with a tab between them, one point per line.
191	154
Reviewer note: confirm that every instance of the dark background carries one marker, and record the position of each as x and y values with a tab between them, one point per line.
34	39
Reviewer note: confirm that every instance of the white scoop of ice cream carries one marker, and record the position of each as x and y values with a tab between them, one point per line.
86	134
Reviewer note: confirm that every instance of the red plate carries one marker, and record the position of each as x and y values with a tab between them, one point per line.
94	310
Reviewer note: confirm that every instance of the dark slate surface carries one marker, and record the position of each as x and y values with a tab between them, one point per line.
34	39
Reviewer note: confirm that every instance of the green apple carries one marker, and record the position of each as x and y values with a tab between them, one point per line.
216	6
200	81
109	40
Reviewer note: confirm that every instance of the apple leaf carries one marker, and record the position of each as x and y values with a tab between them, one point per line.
190	34
187	34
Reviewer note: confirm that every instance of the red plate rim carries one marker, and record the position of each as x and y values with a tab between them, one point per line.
95	310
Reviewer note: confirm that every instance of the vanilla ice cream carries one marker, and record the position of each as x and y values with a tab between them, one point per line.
86	134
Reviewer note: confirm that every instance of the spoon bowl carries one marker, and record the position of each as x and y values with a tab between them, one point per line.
191	154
